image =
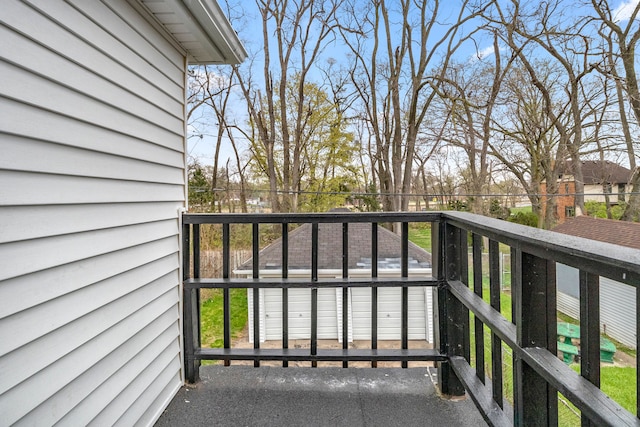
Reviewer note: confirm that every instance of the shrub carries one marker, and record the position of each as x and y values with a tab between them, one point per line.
525	218
496	210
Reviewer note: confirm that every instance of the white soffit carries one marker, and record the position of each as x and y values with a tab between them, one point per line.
201	28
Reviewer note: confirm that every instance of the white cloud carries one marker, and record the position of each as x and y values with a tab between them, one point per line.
484	53
624	10
487	51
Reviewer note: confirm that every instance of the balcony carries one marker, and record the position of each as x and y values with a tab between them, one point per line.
507	363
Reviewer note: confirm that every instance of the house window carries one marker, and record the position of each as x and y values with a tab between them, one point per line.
607	189
621	191
566	189
569	211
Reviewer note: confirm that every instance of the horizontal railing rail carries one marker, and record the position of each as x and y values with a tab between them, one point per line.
531	335
462	285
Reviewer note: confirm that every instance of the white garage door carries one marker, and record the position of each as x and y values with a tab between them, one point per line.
330	314
390	313
299	314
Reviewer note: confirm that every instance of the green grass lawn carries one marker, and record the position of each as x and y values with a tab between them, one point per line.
620	384
211	316
520	209
421	235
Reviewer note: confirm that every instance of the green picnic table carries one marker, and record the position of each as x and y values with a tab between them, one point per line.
567	332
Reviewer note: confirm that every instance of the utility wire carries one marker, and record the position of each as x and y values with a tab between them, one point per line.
359	193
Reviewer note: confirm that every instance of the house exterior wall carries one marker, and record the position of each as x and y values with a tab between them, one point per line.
92	171
595	193
617	304
565	199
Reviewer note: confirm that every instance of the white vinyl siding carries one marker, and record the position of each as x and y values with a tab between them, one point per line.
618	311
92	172
617	304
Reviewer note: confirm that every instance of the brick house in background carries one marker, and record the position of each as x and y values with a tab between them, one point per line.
600	178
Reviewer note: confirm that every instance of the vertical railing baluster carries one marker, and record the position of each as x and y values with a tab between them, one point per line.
196	251
285	291
345	290
536	402
374	290
314	292
516	285
226	302
477	289
589	330
496	343
405	289
256	291
186	251
190	307
196	275
463	256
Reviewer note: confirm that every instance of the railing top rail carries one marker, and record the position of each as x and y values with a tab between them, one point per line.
293	218
617	262
613	261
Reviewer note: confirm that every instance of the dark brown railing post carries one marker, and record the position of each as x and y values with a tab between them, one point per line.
452	335
496	343
345	290
478	327
190	303
255	232
536	402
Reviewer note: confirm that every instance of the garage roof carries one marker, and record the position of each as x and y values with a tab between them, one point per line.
330	249
200	27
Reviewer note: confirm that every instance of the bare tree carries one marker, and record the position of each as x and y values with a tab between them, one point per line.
621	37
211	89
470	92
399	59
528	144
544	27
294	34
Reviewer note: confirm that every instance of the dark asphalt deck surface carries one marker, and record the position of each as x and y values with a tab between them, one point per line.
271	396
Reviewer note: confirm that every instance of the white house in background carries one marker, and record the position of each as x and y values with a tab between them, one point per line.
420	318
92	173
617	301
605	177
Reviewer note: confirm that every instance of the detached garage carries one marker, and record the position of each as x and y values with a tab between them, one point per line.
330	299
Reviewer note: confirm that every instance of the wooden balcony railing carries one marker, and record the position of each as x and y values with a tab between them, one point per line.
538	375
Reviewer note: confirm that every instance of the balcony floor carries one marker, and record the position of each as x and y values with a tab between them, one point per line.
274	396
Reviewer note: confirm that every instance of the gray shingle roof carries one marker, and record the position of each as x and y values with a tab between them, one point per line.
330	249
597	172
604	230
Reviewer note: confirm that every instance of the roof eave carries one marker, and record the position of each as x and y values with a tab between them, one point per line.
201	28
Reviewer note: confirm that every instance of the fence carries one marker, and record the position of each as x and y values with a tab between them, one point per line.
211	262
